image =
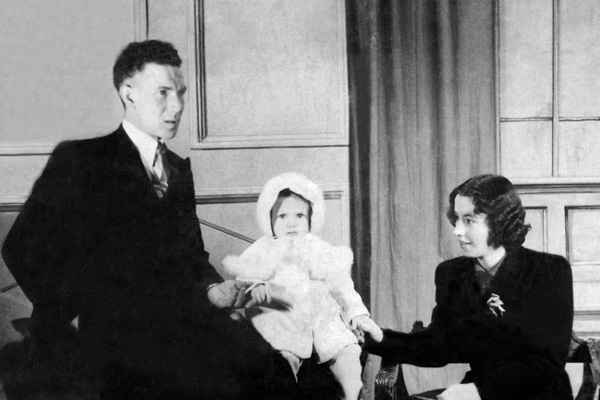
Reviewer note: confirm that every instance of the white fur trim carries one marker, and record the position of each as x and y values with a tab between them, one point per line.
330	262
253	263
297	183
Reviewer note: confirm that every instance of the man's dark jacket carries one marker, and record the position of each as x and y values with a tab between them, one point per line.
94	240
516	354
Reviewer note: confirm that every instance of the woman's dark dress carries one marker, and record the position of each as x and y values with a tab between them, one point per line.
518	354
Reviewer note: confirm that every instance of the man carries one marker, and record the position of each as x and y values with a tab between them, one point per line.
110	234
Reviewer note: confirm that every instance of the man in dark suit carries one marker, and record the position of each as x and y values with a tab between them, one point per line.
110	234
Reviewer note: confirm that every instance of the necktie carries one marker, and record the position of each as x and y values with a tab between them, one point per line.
160	171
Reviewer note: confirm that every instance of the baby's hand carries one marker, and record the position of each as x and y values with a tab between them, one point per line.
261	294
363	324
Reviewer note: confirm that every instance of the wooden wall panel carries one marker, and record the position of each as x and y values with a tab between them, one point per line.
572	223
579	147
526	148
548	75
583	234
579	58
583	250
234	130
273	73
525	58
549	131
56	70
56	78
226	170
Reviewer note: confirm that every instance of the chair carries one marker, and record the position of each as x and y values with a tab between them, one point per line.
390	384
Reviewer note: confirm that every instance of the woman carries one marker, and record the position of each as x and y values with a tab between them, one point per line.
504	309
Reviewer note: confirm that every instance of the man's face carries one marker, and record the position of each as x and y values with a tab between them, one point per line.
154	100
291	219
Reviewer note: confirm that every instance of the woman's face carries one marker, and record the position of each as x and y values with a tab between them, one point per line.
471	229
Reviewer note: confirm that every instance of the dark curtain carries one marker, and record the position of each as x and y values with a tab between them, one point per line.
422	106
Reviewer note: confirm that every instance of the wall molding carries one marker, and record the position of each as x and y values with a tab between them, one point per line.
140	23
497	132
202	139
557	185
250	195
10	205
228	196
588	312
33	148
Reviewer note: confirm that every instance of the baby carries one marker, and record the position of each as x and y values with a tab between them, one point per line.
302	295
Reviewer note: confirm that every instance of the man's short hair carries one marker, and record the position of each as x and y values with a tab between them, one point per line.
134	57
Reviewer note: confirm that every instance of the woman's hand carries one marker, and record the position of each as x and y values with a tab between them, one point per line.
362	324
466	391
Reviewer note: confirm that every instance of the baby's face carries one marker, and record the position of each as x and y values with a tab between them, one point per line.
291	219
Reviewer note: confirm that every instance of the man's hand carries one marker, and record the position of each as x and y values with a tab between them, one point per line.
362	324
224	294
466	391
229	294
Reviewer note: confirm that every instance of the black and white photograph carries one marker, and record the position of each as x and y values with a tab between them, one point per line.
299	199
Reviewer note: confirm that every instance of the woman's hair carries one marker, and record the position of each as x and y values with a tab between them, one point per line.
495	196
284	194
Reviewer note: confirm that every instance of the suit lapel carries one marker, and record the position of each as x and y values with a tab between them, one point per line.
130	168
507	283
181	177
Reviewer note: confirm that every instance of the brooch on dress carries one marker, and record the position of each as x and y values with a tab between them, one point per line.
495	305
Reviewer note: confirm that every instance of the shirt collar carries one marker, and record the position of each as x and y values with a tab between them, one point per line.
145	143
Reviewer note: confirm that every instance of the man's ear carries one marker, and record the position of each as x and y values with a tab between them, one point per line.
126	94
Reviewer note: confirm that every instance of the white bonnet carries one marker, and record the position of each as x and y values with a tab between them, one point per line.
297	183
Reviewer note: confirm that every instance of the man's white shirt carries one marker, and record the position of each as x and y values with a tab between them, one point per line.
146	145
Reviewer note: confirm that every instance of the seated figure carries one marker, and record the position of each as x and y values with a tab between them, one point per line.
505	309
303	297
